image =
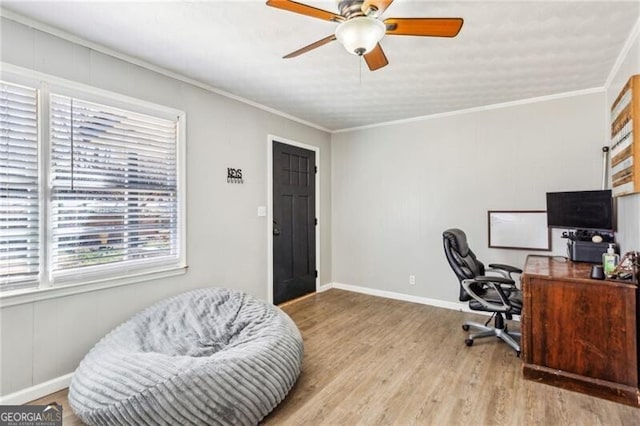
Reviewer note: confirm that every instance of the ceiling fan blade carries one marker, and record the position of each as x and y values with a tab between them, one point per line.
303	9
381	5
376	59
312	46
429	27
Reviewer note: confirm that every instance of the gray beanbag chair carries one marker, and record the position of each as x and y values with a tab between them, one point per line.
209	356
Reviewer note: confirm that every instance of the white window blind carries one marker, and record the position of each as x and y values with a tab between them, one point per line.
19	196
114	188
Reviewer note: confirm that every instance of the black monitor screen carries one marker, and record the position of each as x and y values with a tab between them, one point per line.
580	210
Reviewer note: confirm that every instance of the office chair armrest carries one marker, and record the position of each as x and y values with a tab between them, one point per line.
494	282
488	279
510	269
506	283
504	270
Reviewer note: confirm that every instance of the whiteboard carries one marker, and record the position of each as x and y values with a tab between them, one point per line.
519	229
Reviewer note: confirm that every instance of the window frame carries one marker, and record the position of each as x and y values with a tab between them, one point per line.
37	279
47	287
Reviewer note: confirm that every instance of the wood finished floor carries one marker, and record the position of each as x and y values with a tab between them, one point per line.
371	361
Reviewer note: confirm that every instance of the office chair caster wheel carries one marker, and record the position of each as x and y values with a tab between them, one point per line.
465	327
468	342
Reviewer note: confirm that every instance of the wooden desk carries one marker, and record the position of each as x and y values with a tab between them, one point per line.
578	333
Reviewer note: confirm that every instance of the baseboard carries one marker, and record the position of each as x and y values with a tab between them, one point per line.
37	391
325	287
456	306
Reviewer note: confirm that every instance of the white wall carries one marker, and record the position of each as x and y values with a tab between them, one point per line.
397	187
628	235
226	241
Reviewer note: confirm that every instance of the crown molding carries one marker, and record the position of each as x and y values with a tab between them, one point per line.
635	32
477	109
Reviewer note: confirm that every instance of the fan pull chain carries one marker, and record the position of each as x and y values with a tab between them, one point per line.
360	75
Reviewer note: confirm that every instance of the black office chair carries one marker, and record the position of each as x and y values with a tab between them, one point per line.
489	293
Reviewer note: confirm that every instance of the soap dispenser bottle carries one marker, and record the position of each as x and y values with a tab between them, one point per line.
610	260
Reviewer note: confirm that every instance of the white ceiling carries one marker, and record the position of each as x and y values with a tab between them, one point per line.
506	51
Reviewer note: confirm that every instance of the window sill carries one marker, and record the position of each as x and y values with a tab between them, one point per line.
19	297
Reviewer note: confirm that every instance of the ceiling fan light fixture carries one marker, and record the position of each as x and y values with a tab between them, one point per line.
360	35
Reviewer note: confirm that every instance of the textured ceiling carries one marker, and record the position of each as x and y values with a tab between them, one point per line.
506	51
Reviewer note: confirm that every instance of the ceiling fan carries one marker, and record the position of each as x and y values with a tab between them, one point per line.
361	30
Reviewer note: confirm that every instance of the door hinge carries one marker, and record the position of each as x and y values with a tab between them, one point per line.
315	221
315	169
315	273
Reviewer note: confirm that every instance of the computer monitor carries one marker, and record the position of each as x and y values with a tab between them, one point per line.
581	210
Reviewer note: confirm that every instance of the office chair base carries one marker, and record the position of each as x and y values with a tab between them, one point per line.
509	337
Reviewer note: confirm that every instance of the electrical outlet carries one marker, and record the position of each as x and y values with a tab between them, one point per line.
412	280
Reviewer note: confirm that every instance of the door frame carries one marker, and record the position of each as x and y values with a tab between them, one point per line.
270	140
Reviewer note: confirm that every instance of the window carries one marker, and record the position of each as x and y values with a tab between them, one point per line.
111	205
114	189
19	195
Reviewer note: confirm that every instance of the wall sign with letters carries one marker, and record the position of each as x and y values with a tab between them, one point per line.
234	175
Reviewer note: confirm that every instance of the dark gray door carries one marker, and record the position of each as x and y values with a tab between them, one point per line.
294	234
